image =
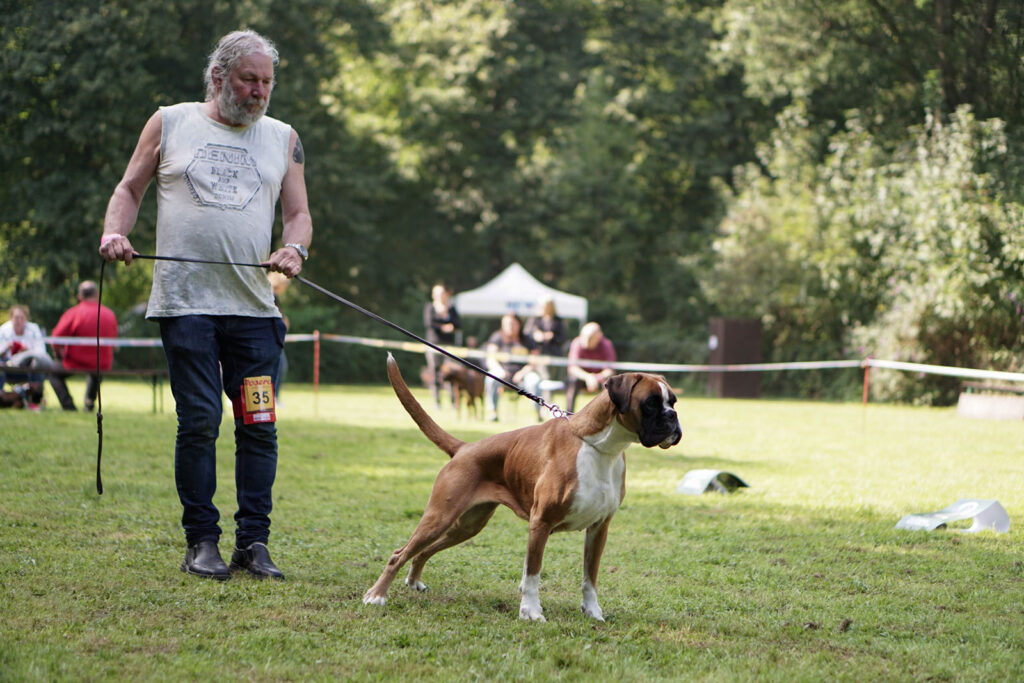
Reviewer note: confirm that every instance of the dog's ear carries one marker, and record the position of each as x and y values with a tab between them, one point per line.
619	388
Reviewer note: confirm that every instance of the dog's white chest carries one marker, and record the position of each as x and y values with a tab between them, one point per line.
599	488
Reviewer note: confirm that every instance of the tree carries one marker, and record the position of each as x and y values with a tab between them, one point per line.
945	234
443	141
81	80
907	254
864	230
889	60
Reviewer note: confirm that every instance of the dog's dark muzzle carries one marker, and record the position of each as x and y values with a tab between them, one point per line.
663	430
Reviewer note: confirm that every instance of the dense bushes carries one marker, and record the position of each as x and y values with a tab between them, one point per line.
909	253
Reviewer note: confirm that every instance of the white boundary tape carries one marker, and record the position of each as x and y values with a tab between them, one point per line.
416	347
944	370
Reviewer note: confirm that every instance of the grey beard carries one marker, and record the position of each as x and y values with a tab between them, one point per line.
236	112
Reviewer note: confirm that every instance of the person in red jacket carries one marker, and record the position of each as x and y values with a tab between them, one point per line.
80	321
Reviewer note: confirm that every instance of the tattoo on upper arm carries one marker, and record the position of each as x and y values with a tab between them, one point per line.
298	156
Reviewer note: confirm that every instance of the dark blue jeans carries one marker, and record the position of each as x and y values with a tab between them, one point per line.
206	354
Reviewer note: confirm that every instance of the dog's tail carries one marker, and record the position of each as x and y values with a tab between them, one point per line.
442	439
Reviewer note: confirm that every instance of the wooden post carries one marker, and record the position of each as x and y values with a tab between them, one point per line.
316	373
867	375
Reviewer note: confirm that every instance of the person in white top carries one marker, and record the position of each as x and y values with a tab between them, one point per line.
23	345
18	334
220	166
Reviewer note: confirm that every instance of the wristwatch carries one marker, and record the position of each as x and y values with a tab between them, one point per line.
299	248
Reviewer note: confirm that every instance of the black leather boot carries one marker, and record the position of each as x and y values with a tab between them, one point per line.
256	560
203	559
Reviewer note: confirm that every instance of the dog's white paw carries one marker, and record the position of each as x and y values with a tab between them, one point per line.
374	600
529	606
589	605
415	585
531	613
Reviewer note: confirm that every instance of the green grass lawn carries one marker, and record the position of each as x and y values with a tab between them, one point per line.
800	577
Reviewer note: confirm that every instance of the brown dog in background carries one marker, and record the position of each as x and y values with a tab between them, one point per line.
465	382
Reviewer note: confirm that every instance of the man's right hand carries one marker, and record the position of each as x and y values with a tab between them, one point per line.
116	247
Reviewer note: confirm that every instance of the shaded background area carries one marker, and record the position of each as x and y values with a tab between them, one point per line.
844	173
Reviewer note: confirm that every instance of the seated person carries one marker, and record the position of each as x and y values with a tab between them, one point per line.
22	345
81	321
509	338
547	332
591	345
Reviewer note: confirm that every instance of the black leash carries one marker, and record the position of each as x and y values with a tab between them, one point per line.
99	392
554	409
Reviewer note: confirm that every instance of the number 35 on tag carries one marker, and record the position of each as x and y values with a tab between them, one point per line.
258	400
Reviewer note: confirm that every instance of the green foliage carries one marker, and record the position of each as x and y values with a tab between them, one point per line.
551	136
625	194
953	283
602	145
888	59
81	81
62	110
864	230
904	255
443	142
769	260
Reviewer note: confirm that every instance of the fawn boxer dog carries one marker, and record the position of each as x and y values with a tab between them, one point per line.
561	475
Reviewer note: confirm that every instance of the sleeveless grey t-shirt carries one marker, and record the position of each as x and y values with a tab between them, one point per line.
217	189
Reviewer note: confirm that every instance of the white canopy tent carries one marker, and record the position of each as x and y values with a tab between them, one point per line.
515	290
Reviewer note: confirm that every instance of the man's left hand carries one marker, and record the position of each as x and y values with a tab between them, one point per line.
285	260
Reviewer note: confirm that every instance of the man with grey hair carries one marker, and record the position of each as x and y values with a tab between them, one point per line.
220	167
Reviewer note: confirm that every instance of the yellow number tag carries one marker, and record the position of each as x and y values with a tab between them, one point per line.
258	399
